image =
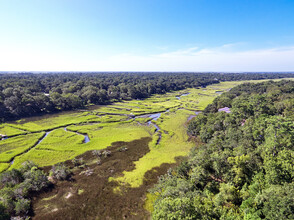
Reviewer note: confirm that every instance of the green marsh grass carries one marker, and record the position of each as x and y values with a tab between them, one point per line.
109	124
14	146
61	145
170	147
7	130
61	140
4	166
43	157
55	121
103	135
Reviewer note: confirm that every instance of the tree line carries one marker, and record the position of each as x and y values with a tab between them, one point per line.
28	94
244	168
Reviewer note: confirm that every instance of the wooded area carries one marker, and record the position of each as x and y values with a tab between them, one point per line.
244	168
29	94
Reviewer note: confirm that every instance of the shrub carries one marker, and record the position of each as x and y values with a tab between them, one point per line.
3	214
36	180
11	178
27	166
78	162
15	189
21	190
22	206
122	149
60	172
97	153
8	204
106	153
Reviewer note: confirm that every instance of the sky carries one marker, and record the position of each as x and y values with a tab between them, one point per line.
147	35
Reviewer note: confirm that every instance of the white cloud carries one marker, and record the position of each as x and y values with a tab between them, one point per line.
224	58
209	59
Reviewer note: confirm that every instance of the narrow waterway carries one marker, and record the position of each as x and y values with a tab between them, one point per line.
153	117
86	139
3	137
193	116
185	94
39	141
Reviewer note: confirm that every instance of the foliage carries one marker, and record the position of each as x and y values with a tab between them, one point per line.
244	168
22	206
16	187
60	172
78	162
31	94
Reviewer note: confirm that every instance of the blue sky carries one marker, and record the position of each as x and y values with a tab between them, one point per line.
147	35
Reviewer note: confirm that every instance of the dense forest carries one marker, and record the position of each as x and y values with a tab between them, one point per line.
244	168
29	94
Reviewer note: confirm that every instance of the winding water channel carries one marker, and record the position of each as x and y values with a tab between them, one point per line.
153	117
185	94
86	139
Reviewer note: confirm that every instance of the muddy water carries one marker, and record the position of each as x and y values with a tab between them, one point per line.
155	125
92	196
87	139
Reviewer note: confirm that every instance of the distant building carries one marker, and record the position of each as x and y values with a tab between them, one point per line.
225	109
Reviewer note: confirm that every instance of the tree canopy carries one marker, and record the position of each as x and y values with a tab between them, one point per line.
28	94
245	167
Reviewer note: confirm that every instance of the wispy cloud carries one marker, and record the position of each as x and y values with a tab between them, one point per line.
224	58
